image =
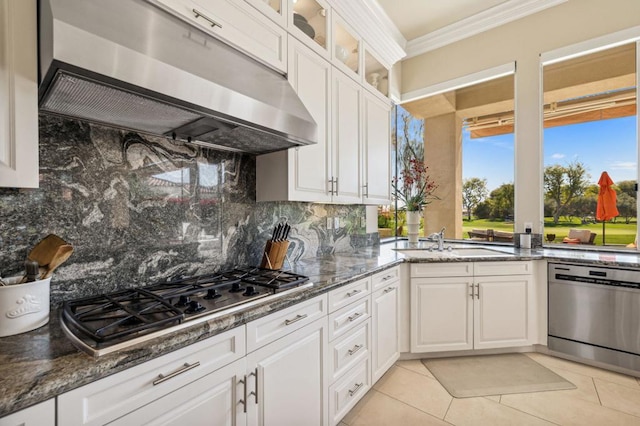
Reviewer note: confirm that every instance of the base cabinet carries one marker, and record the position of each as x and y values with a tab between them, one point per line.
43	414
385	329
474	310
216	399
287	379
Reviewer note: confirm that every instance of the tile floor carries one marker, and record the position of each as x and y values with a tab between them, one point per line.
409	395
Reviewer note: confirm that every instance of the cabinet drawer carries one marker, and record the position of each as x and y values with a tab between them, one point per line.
503	268
236	23
448	269
349	317
107	399
344	353
272	327
348	390
348	294
384	278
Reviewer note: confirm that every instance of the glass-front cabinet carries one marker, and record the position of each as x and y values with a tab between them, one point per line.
346	51
376	75
309	23
276	10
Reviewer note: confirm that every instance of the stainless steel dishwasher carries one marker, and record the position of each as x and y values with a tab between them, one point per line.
594	313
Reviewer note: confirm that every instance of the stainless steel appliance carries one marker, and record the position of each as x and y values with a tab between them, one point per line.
594	313
130	64
110	322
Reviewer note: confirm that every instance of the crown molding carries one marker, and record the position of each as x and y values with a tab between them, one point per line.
476	24
370	21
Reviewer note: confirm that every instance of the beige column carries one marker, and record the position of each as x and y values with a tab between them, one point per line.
443	156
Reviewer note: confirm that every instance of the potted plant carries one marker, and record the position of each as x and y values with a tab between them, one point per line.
414	188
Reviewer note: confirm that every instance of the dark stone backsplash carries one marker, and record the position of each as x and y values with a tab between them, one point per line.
138	209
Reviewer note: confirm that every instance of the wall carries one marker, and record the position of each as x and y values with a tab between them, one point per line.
139	209
523	41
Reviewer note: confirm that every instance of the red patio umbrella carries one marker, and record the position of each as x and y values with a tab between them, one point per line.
606	208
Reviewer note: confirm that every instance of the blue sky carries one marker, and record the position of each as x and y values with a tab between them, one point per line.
600	145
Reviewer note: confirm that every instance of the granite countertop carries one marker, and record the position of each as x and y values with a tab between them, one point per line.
41	364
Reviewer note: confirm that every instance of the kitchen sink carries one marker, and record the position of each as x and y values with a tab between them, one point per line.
467	252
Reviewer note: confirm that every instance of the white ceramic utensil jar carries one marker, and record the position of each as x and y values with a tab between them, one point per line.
23	307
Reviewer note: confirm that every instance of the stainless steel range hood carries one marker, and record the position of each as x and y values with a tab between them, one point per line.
126	63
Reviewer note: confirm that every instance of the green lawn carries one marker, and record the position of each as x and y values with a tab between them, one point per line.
617	233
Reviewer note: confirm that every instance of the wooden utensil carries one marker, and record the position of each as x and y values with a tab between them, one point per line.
61	255
44	251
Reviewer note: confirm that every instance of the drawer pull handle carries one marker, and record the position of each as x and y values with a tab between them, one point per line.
244	401
388	277
255	373
355	388
186	367
355	316
387	290
353	293
296	319
206	18
355	349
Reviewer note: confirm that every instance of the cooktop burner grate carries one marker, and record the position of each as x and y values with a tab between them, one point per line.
112	316
103	323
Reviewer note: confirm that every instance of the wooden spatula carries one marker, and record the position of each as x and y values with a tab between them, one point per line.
61	255
44	251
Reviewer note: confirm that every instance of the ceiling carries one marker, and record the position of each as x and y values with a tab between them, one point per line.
415	18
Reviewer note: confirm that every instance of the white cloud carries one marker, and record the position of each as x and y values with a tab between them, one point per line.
557	156
623	165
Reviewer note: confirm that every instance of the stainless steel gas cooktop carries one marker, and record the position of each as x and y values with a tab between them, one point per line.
110	322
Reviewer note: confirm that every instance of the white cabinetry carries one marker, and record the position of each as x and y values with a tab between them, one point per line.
157	381
302	174
43	414
18	94
287	378
376	150
385	302
350	347
346	119
453	308
215	399
236	23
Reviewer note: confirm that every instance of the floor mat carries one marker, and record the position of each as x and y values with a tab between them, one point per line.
484	375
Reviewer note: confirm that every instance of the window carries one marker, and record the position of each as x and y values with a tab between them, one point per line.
590	123
465	138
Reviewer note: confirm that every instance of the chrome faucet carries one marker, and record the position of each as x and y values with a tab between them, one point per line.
438	237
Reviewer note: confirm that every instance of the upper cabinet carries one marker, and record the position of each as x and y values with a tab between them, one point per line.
309	22
18	94
236	23
346	51
376	75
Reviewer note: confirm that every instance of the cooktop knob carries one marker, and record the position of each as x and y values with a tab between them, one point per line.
250	291
236	288
183	301
194	306
212	293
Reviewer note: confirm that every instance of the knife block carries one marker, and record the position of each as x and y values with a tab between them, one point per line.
274	254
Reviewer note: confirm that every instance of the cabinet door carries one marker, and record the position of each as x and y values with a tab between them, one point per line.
385	329
376	150
18	94
215	399
237	24
441	314
502	314
346	139
287	379
310	76
43	414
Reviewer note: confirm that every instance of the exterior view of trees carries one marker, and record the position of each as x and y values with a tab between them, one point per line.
568	193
